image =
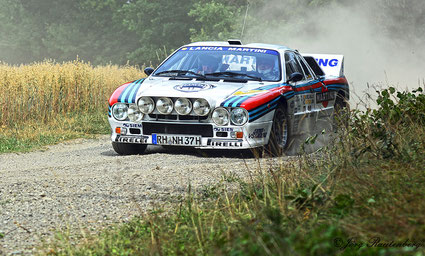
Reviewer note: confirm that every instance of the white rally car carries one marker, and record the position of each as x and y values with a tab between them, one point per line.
226	95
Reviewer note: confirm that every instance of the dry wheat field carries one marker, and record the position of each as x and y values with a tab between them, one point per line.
49	97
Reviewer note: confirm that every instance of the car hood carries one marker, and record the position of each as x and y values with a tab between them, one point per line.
213	92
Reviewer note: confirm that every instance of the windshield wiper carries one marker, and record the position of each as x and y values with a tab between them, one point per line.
234	74
180	72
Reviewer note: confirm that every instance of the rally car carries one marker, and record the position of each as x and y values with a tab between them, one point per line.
226	95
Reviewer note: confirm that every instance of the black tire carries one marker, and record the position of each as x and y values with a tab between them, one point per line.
280	134
341	113
129	149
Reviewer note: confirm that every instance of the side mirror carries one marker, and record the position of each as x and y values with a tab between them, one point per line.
148	71
295	77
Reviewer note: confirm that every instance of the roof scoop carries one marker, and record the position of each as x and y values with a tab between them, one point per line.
234	42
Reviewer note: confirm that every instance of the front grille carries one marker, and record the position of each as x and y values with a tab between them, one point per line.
177	117
205	130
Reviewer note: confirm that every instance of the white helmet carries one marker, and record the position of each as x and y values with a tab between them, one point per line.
265	64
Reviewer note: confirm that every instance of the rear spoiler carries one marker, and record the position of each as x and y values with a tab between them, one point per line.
326	65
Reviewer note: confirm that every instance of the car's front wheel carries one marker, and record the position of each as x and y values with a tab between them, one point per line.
128	149
280	133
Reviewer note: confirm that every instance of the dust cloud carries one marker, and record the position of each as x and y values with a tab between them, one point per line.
382	41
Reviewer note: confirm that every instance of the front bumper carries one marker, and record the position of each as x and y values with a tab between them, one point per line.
205	135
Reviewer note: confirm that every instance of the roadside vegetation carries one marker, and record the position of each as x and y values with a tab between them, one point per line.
362	195
47	102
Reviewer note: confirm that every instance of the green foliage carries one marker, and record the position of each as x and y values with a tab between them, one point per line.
157	25
216	21
63	30
380	131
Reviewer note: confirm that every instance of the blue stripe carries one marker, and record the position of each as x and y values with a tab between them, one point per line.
289	93
260	108
121	98
154	139
124	95
132	96
230	100
268	87
262	113
239	101
336	86
224	103
309	83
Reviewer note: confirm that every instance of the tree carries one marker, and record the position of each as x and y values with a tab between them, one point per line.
160	27
216	21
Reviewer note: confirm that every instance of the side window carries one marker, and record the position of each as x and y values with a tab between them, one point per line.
307	72
292	65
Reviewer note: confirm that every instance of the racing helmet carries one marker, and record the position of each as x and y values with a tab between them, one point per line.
208	63
265	64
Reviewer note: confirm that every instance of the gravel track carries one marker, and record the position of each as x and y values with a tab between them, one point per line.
84	185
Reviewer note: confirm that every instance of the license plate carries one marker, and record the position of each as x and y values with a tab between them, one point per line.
179	140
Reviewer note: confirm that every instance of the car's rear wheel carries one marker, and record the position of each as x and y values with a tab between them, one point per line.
341	113
128	149
279	134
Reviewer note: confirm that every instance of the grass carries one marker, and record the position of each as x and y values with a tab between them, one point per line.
45	103
33	135
363	195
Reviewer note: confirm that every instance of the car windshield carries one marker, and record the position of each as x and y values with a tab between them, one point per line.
212	62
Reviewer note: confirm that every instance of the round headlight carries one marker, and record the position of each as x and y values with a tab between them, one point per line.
201	107
220	116
120	111
239	116
183	106
134	113
164	105
146	105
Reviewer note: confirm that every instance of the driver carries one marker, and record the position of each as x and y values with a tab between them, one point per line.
265	66
207	64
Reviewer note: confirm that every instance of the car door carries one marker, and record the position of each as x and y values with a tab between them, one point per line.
303	101
323	101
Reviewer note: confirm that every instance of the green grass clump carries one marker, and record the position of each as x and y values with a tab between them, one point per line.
34	135
364	195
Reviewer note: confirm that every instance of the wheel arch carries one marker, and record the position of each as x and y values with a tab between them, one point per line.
283	102
344	96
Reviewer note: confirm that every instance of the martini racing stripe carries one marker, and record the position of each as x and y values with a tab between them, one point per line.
132	95
289	94
128	95
236	101
263	109
336	86
239	101
230	100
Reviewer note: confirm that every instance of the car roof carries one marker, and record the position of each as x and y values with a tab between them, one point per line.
251	45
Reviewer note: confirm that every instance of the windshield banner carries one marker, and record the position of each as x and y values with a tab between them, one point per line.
228	49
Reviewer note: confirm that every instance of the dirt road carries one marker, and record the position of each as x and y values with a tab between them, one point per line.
85	185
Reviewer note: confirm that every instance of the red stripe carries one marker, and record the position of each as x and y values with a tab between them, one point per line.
339	80
114	98
263	98
317	85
